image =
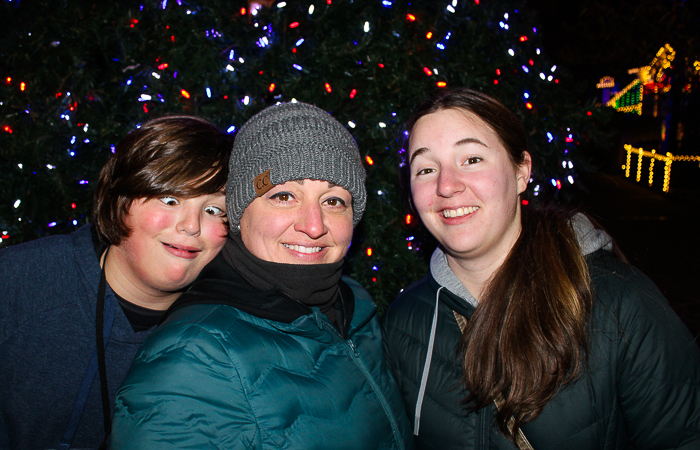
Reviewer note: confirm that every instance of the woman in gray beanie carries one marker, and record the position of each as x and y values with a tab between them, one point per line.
272	347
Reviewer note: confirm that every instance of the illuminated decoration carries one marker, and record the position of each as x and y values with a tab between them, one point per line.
353	93
429	35
651	79
668	159
411	17
163	66
328	87
369	251
272	87
369	160
293	24
7	129
408	219
185	94
441	84
427	71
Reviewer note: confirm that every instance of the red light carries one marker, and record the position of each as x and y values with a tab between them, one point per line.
532	63
134	21
410	17
476	1
353	93
167	27
373	279
569	139
172	38
7	129
523	38
556	81
381	66
272	87
589	113
22	86
495	81
294	50
369	160
441	84
427	71
145	108
8	80
225	97
243	11
185	94
261	72
328	1
369	251
73	205
163	66
498	71
408	219
528	105
525	202
328	88
429	35
58	94
558	184
293	24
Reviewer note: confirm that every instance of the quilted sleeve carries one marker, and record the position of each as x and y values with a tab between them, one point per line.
184	392
658	367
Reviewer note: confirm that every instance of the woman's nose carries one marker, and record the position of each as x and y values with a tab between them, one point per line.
449	182
310	220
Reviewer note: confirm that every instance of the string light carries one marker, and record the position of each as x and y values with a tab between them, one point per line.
369	160
184	93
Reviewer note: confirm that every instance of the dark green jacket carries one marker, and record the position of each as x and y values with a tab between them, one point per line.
640	390
219	376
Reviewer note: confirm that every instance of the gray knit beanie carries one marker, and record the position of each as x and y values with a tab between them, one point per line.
292	141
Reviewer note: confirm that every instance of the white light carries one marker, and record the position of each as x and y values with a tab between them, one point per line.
311	9
75	222
571	179
454	3
537	51
511	52
450	8
17	202
571	165
542	75
505	16
553	68
435	71
230	55
366	27
299	42
297	66
281	4
85	128
144	98
231	129
294	100
49	166
246	100
382	125
380	192
351	123
20	165
208	93
229	67
550	78
241	60
506	27
155	75
563	164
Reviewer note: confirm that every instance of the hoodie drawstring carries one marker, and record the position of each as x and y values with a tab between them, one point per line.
426	367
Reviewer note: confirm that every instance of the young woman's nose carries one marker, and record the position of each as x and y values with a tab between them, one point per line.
310	220
449	182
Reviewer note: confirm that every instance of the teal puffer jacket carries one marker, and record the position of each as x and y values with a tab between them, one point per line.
641	388
215	377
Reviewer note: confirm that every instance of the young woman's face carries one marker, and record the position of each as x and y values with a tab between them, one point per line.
299	222
171	240
464	185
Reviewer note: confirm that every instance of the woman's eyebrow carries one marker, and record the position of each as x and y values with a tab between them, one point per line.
418	152
465	141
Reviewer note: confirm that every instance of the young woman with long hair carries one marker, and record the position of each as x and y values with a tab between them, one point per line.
528	331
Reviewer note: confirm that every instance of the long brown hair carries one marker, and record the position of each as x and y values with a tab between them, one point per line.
528	336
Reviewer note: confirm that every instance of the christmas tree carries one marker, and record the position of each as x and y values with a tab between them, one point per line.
77	76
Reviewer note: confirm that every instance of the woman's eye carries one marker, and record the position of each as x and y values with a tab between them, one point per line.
170	201
282	197
472	160
335	202
214	210
425	171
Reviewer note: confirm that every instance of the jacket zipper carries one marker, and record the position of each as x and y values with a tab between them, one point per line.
382	400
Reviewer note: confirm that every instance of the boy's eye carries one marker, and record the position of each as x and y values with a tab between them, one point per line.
170	201
214	210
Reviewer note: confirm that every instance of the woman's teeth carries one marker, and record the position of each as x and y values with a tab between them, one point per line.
302	249
459	212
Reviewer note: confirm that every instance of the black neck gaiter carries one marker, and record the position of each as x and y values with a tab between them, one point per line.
308	284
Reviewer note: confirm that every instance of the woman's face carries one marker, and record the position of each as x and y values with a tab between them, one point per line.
464	185
171	240
299	222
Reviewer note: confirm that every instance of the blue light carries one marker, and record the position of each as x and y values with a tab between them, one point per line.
52	224
550	137
440	46
72	140
231	129
230	55
299	42
208	93
297	66
75	222
83	182
387	3
525	69
526	95
375	268
128	82
113	148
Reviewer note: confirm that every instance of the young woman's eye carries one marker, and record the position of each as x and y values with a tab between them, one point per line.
170	201
472	160
283	197
425	171
214	210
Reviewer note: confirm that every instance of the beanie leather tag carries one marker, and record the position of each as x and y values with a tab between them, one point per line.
263	183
